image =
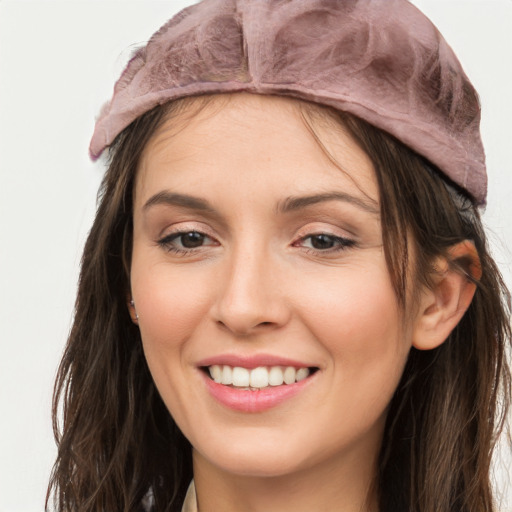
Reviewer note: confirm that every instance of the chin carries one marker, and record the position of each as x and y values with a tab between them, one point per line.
255	458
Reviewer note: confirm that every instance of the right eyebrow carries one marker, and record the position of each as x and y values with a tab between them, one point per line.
301	202
173	199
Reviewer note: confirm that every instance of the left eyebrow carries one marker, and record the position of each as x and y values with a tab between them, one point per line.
169	198
297	203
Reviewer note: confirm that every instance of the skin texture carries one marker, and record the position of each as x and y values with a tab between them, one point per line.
258	284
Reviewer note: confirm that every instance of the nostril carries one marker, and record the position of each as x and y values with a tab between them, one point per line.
241	328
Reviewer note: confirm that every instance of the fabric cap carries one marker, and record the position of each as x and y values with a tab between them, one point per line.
381	60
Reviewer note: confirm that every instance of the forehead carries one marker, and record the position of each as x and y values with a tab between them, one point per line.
225	137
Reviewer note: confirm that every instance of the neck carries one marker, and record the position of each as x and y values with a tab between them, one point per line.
331	486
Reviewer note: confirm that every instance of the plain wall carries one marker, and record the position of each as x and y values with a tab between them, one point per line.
58	63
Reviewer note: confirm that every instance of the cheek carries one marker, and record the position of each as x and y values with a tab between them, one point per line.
352	305
360	324
171	303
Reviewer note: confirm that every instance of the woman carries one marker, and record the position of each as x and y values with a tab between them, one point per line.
286	295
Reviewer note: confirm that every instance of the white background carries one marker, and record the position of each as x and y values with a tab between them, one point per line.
58	63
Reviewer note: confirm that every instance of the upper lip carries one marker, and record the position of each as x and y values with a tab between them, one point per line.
252	361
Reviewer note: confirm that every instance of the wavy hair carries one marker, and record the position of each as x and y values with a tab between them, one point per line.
118	444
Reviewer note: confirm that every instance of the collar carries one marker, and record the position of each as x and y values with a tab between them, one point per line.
190	503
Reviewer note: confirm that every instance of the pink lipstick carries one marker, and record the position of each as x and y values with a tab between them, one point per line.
254	383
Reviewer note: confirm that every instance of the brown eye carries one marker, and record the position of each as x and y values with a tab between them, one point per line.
186	241
322	241
191	240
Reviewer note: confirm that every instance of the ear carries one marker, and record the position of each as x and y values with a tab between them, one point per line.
133	311
443	305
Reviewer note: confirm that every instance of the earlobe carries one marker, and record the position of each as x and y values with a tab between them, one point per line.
133	312
444	304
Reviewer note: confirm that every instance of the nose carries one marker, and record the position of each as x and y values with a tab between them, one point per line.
251	298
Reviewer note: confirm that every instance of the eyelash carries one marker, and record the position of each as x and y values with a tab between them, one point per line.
340	243
167	242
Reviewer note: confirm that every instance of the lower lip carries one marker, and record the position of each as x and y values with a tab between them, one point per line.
260	400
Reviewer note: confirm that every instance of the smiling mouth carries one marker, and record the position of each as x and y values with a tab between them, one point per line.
257	378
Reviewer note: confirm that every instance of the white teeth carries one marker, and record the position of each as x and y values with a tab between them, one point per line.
289	375
301	374
275	376
257	378
240	377
216	373
227	375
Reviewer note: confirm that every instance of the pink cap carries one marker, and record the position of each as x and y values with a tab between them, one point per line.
382	61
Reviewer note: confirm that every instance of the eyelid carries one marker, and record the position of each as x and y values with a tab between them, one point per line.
341	240
176	234
324	228
169	243
344	241
167	239
185	227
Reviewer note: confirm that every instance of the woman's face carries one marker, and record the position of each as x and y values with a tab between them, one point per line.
257	259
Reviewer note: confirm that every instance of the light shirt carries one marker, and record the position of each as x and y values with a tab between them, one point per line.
190	503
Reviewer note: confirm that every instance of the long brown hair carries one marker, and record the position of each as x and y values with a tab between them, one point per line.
117	442
451	402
